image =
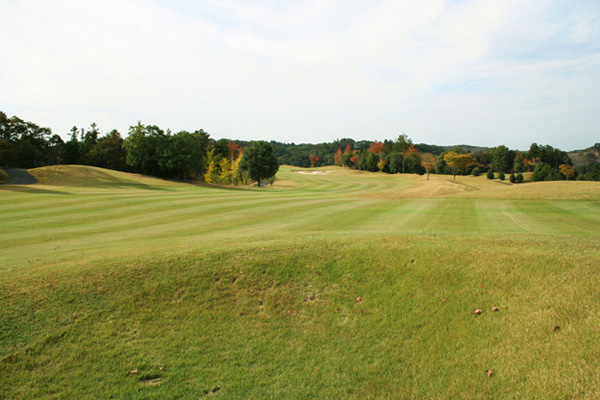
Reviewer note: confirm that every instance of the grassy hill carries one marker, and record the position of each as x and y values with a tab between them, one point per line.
335	284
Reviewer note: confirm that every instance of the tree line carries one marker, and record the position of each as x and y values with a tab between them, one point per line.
184	155
402	156
147	149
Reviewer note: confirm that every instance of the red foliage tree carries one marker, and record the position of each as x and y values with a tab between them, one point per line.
314	160
412	149
235	150
376	147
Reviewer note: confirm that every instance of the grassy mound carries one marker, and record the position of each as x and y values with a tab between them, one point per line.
336	285
86	176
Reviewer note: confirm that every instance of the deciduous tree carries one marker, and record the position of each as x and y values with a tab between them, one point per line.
567	170
314	160
428	162
459	162
337	159
382	165
259	161
376	147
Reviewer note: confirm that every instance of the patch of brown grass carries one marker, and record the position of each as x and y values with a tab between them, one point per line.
443	186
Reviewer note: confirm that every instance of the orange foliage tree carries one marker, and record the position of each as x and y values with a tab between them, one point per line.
337	159
411	149
567	170
428	162
314	160
235	150
348	149
376	147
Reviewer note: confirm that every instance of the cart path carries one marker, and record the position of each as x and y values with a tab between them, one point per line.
19	177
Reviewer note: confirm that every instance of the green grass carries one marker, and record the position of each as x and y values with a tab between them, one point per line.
254	291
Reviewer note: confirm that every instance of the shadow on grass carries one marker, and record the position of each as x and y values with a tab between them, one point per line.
469	187
29	189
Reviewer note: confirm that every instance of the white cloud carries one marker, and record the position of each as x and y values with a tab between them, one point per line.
483	72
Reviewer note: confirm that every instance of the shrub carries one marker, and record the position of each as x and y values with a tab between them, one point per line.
543	172
475	172
501	176
519	177
512	178
490	174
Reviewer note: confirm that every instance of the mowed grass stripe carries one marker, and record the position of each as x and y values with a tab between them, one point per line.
553	218
111	212
162	227
396	216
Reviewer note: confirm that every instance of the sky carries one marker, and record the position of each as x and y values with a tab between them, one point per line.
444	72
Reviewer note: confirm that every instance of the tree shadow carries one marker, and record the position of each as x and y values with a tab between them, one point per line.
29	189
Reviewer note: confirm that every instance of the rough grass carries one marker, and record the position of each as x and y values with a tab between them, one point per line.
253	293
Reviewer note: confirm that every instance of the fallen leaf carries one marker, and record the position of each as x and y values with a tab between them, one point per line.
556	328
495	309
478	311
489	373
358	299
135	371
337	310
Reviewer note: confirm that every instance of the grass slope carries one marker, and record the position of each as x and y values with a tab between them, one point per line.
252	293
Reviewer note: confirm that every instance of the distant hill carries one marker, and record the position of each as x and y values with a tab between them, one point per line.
590	155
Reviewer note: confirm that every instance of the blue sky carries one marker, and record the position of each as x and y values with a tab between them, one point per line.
444	72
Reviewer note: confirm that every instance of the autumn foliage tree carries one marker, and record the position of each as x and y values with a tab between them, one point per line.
567	170
376	147
337	159
459	162
314	160
428	162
